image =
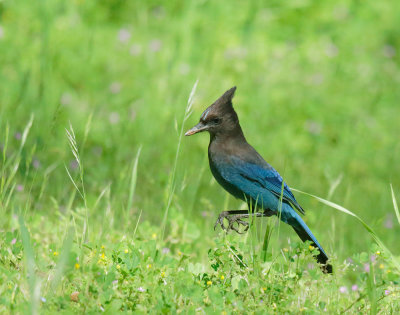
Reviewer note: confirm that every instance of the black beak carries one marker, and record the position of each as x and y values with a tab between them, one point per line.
198	128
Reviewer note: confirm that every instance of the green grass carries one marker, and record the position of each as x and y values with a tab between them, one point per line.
117	213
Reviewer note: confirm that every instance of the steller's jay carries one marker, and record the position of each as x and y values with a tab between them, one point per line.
238	168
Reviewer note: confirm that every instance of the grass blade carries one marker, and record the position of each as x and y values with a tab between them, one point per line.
3	168
62	262
26	132
34	285
132	185
396	208
73	182
366	226
74	148
171	183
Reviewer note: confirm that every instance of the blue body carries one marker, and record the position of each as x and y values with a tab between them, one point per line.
238	167
248	177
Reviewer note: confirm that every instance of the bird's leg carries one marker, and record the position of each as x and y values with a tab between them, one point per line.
232	216
236	216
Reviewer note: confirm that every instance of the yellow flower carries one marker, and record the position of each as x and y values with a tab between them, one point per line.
378	252
311	247
222	277
154	236
388	271
209	282
149	266
77	266
55	253
103	256
381	266
285	250
102	246
126	251
163	274
179	253
118	266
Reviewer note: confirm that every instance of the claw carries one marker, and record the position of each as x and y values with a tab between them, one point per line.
244	223
232	219
220	220
236	219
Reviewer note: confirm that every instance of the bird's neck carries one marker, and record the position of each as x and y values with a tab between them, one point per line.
228	137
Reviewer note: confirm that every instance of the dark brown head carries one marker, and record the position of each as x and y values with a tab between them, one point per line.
218	118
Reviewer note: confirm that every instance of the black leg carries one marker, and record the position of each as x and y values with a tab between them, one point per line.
236	216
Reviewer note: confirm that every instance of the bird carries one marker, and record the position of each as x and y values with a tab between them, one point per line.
242	171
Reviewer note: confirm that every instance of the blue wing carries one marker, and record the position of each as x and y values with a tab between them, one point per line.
257	181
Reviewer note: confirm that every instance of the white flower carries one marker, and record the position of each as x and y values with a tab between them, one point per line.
165	250
36	163
343	289
115	87
388	51
114	118
124	35
331	50
155	45
65	99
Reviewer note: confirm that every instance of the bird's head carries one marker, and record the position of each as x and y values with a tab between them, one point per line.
218	118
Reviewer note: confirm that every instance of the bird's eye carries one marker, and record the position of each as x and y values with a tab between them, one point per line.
216	121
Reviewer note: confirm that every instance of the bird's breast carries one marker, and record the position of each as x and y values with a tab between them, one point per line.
220	166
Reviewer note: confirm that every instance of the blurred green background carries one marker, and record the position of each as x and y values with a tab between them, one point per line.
318	97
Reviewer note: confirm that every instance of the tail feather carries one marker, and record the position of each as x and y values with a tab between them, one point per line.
305	234
322	258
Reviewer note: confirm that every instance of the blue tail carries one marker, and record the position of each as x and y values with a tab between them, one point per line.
291	217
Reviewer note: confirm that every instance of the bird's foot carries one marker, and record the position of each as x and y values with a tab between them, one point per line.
232	219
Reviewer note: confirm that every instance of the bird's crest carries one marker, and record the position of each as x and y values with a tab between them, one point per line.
221	106
226	98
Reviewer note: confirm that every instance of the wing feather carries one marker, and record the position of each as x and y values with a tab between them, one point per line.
264	178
